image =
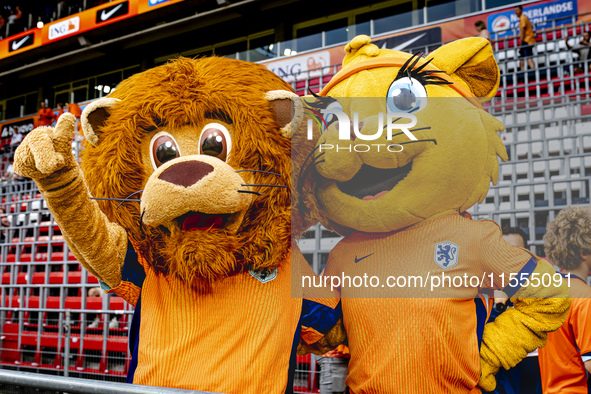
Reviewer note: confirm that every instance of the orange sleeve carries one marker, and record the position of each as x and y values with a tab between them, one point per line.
581	324
126	290
75	110
499	257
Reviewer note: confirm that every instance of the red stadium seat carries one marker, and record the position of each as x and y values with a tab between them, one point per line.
304	363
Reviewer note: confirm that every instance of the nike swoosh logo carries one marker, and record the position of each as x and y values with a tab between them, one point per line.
364	257
107	15
400	47
17	45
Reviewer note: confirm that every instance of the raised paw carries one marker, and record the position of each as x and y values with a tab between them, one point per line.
46	150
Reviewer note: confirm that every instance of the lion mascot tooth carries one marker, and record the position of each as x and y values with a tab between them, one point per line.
401	203
182	207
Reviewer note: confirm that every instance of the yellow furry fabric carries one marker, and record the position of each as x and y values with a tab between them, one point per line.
523	328
327	342
471	62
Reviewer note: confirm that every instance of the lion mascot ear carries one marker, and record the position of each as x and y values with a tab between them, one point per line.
470	61
94	117
288	110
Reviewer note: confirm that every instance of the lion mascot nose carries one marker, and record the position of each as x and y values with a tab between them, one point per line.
186	173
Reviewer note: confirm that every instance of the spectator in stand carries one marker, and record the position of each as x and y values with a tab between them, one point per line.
524	378
527	39
75	110
61	9
113	323
9	174
2	23
9	171
16	140
483	31
565	361
11	27
582	49
5	223
45	115
60	111
18	21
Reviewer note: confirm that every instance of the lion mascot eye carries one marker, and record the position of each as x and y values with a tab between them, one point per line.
406	95
215	141
163	148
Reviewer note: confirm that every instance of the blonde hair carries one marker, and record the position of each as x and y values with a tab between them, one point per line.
567	236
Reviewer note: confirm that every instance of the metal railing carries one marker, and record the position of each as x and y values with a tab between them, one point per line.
552	58
17	380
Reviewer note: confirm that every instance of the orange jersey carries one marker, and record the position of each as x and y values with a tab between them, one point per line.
74	109
562	359
240	338
428	344
528	31
45	116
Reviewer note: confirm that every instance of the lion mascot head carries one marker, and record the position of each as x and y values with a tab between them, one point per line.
206	149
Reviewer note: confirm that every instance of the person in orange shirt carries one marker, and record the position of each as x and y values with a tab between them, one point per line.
75	110
45	115
526	39
60	111
565	362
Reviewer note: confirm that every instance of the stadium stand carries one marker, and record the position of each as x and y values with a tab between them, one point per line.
46	315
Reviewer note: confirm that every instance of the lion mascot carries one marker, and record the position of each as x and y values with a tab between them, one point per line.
182	207
399	196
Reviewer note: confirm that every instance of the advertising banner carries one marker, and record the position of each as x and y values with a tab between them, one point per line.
291	67
20	43
90	19
23	125
105	14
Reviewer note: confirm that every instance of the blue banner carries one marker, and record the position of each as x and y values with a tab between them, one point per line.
540	16
156	2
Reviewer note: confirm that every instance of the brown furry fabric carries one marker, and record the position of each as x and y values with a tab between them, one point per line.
480	77
170	97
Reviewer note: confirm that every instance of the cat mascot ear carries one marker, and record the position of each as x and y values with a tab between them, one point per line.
471	63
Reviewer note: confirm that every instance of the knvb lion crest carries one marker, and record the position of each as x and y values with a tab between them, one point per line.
446	254
264	275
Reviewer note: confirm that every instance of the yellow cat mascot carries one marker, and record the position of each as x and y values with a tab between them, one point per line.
412	262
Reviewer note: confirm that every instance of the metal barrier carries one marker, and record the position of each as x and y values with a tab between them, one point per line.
83	386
